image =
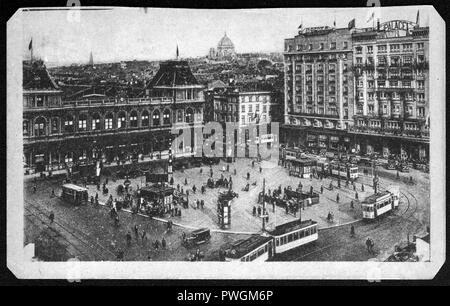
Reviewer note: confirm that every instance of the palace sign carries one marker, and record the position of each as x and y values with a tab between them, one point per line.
397	27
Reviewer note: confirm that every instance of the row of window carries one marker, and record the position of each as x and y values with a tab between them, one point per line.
407	47
409	110
83	122
255	98
392	83
295	236
317	46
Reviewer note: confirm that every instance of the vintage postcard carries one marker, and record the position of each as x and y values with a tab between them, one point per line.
165	143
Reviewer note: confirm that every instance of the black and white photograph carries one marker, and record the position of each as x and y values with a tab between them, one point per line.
269	143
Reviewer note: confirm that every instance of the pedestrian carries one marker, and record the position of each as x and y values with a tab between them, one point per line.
92	200
354	187
185	181
197	203
331	185
362	187
51	217
356	196
352	206
368	244
254	211
136	231
144	236
53	193
182	190
34	188
352	231
194	189
248	175
260	169
228	168
201	170
128	237
234	172
337	198
163	243
311	190
259	211
253	164
321	189
96	196
202	203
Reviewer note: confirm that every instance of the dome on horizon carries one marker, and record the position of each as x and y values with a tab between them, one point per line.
225	42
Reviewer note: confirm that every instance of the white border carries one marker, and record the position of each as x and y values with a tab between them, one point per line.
219	270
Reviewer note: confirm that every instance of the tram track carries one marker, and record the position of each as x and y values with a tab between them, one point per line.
100	252
407	214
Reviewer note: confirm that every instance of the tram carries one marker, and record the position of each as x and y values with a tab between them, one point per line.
294	234
348	171
74	194
256	248
379	204
283	238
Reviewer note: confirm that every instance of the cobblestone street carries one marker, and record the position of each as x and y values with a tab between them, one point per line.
88	231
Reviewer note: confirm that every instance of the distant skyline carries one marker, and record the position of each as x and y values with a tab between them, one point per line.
121	34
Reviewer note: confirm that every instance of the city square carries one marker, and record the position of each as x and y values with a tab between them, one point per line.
342	111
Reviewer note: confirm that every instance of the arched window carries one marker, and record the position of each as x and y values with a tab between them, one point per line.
156	117
121	120
39	126
166	116
55	126
82	122
189	115
109	121
95	121
133	119
144	118
68	124
26	127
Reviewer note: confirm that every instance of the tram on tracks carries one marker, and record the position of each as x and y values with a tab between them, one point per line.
294	234
347	171
257	248
379	204
74	194
283	238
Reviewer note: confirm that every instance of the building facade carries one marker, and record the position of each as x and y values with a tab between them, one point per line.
363	90
319	88
392	89
60	134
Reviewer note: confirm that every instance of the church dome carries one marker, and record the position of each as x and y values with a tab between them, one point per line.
225	42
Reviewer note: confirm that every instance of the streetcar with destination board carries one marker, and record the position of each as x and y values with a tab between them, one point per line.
293	234
256	248
347	171
283	238
74	194
379	204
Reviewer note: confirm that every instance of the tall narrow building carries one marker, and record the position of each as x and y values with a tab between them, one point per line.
319	88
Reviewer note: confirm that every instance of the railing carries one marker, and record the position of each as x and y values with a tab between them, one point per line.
108	102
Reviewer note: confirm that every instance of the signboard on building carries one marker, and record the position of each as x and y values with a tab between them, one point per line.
397	28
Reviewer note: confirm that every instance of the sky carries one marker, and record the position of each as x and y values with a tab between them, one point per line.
64	37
